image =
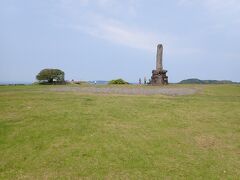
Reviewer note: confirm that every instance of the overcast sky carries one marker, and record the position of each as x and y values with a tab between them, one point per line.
108	39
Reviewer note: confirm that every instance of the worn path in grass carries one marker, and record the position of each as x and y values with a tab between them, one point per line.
148	90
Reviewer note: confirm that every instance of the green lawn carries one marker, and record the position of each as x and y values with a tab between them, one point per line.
52	135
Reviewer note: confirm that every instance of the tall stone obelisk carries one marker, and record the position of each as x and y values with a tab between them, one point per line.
159	76
159	65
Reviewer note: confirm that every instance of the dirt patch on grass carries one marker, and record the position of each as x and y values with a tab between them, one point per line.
206	142
130	91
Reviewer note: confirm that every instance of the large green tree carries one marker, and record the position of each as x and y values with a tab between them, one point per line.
51	75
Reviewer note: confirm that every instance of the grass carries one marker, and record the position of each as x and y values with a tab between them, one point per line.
52	135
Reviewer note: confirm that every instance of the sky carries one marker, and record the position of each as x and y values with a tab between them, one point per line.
109	39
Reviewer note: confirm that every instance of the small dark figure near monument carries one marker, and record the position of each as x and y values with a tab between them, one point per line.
140	81
159	76
145	80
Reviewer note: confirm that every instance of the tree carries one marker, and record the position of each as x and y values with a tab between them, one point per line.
51	75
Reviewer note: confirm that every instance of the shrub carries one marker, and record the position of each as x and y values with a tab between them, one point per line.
118	81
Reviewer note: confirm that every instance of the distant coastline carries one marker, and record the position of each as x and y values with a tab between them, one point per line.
15	83
104	82
198	81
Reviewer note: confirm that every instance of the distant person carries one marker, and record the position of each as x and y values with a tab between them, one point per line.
140	81
145	80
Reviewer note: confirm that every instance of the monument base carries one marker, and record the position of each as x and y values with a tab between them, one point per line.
159	77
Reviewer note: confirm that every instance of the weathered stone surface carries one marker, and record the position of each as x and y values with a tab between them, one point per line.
159	65
159	76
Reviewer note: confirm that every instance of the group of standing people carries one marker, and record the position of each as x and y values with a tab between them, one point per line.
144	81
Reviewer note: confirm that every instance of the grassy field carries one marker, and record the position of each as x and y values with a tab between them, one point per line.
68	135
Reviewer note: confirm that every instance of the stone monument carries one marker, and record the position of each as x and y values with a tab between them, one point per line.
159	76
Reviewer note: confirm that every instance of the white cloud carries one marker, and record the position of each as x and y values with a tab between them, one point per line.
216	6
117	32
93	19
112	7
121	6
222	13
100	25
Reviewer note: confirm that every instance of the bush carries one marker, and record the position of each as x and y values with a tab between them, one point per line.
118	81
